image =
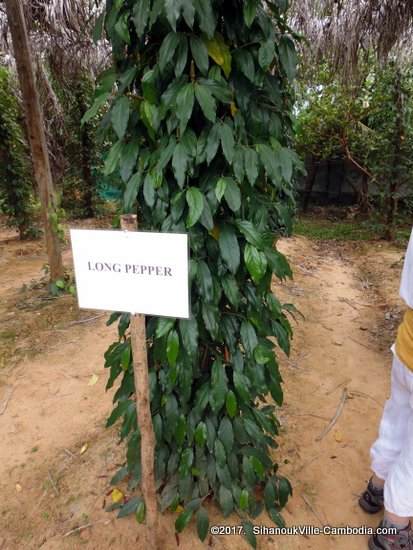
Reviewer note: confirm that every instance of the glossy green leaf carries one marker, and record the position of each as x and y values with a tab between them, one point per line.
206	102
195	200
199	53
141	11
288	56
168	48
231	404
183	519
256	262
172	348
232	195
226	501
185	105
227	141
202	523
248	337
266	54
229	247
250	11
226	434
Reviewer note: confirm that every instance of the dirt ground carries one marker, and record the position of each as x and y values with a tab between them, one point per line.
56	457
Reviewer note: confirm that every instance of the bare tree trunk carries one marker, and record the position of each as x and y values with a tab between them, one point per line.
395	176
36	133
144	416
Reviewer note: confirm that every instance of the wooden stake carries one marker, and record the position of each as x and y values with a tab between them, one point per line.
143	411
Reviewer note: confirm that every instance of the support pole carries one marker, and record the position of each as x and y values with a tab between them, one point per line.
143	411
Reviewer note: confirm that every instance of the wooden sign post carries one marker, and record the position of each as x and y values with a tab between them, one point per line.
143	412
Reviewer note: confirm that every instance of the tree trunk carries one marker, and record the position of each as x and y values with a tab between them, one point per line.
395	173
36	133
144	415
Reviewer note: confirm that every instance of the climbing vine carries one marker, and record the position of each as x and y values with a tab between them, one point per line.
16	186
200	121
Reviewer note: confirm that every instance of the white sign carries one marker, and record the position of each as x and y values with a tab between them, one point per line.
134	272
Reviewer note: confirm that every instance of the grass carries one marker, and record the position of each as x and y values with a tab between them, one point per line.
322	229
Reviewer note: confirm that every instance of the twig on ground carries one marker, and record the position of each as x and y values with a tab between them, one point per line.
88	320
344	397
347	301
361	344
83	527
308	414
344	382
3	407
313	510
69	453
362	394
53	483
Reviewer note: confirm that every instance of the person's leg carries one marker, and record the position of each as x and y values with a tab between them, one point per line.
393	425
398	486
386	449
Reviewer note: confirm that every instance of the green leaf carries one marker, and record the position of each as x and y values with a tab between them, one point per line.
185	105
232	195
210	318
129	156
284	491
229	247
122	28
206	17
226	434
227	141
183	519
220	188
180	432
130	507
251	165
202	523
112	159
218	386
212	143
181	56
167	50
172	348
269	495
220	53
231	290
172	10
164	327
256	262
276	517
195	200
140	512
266	54
201	434
225	500
205	281
131	192
244	500
141	11
250	11
180	161
199	53
189	335
245	62
248	337
149	191
250	232
231	404
206	102
149	89
288	57
249	533
120	116
98	103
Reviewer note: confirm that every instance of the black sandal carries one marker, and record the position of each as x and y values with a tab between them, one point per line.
372	501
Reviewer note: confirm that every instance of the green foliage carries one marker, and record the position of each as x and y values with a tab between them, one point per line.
16	186
368	124
201	122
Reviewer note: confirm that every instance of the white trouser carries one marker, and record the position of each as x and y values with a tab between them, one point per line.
392	453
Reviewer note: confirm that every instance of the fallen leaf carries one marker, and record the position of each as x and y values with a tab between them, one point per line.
117	496
179	509
93	379
338	436
18	487
84	448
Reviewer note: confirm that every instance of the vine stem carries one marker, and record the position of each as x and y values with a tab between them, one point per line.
143	412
